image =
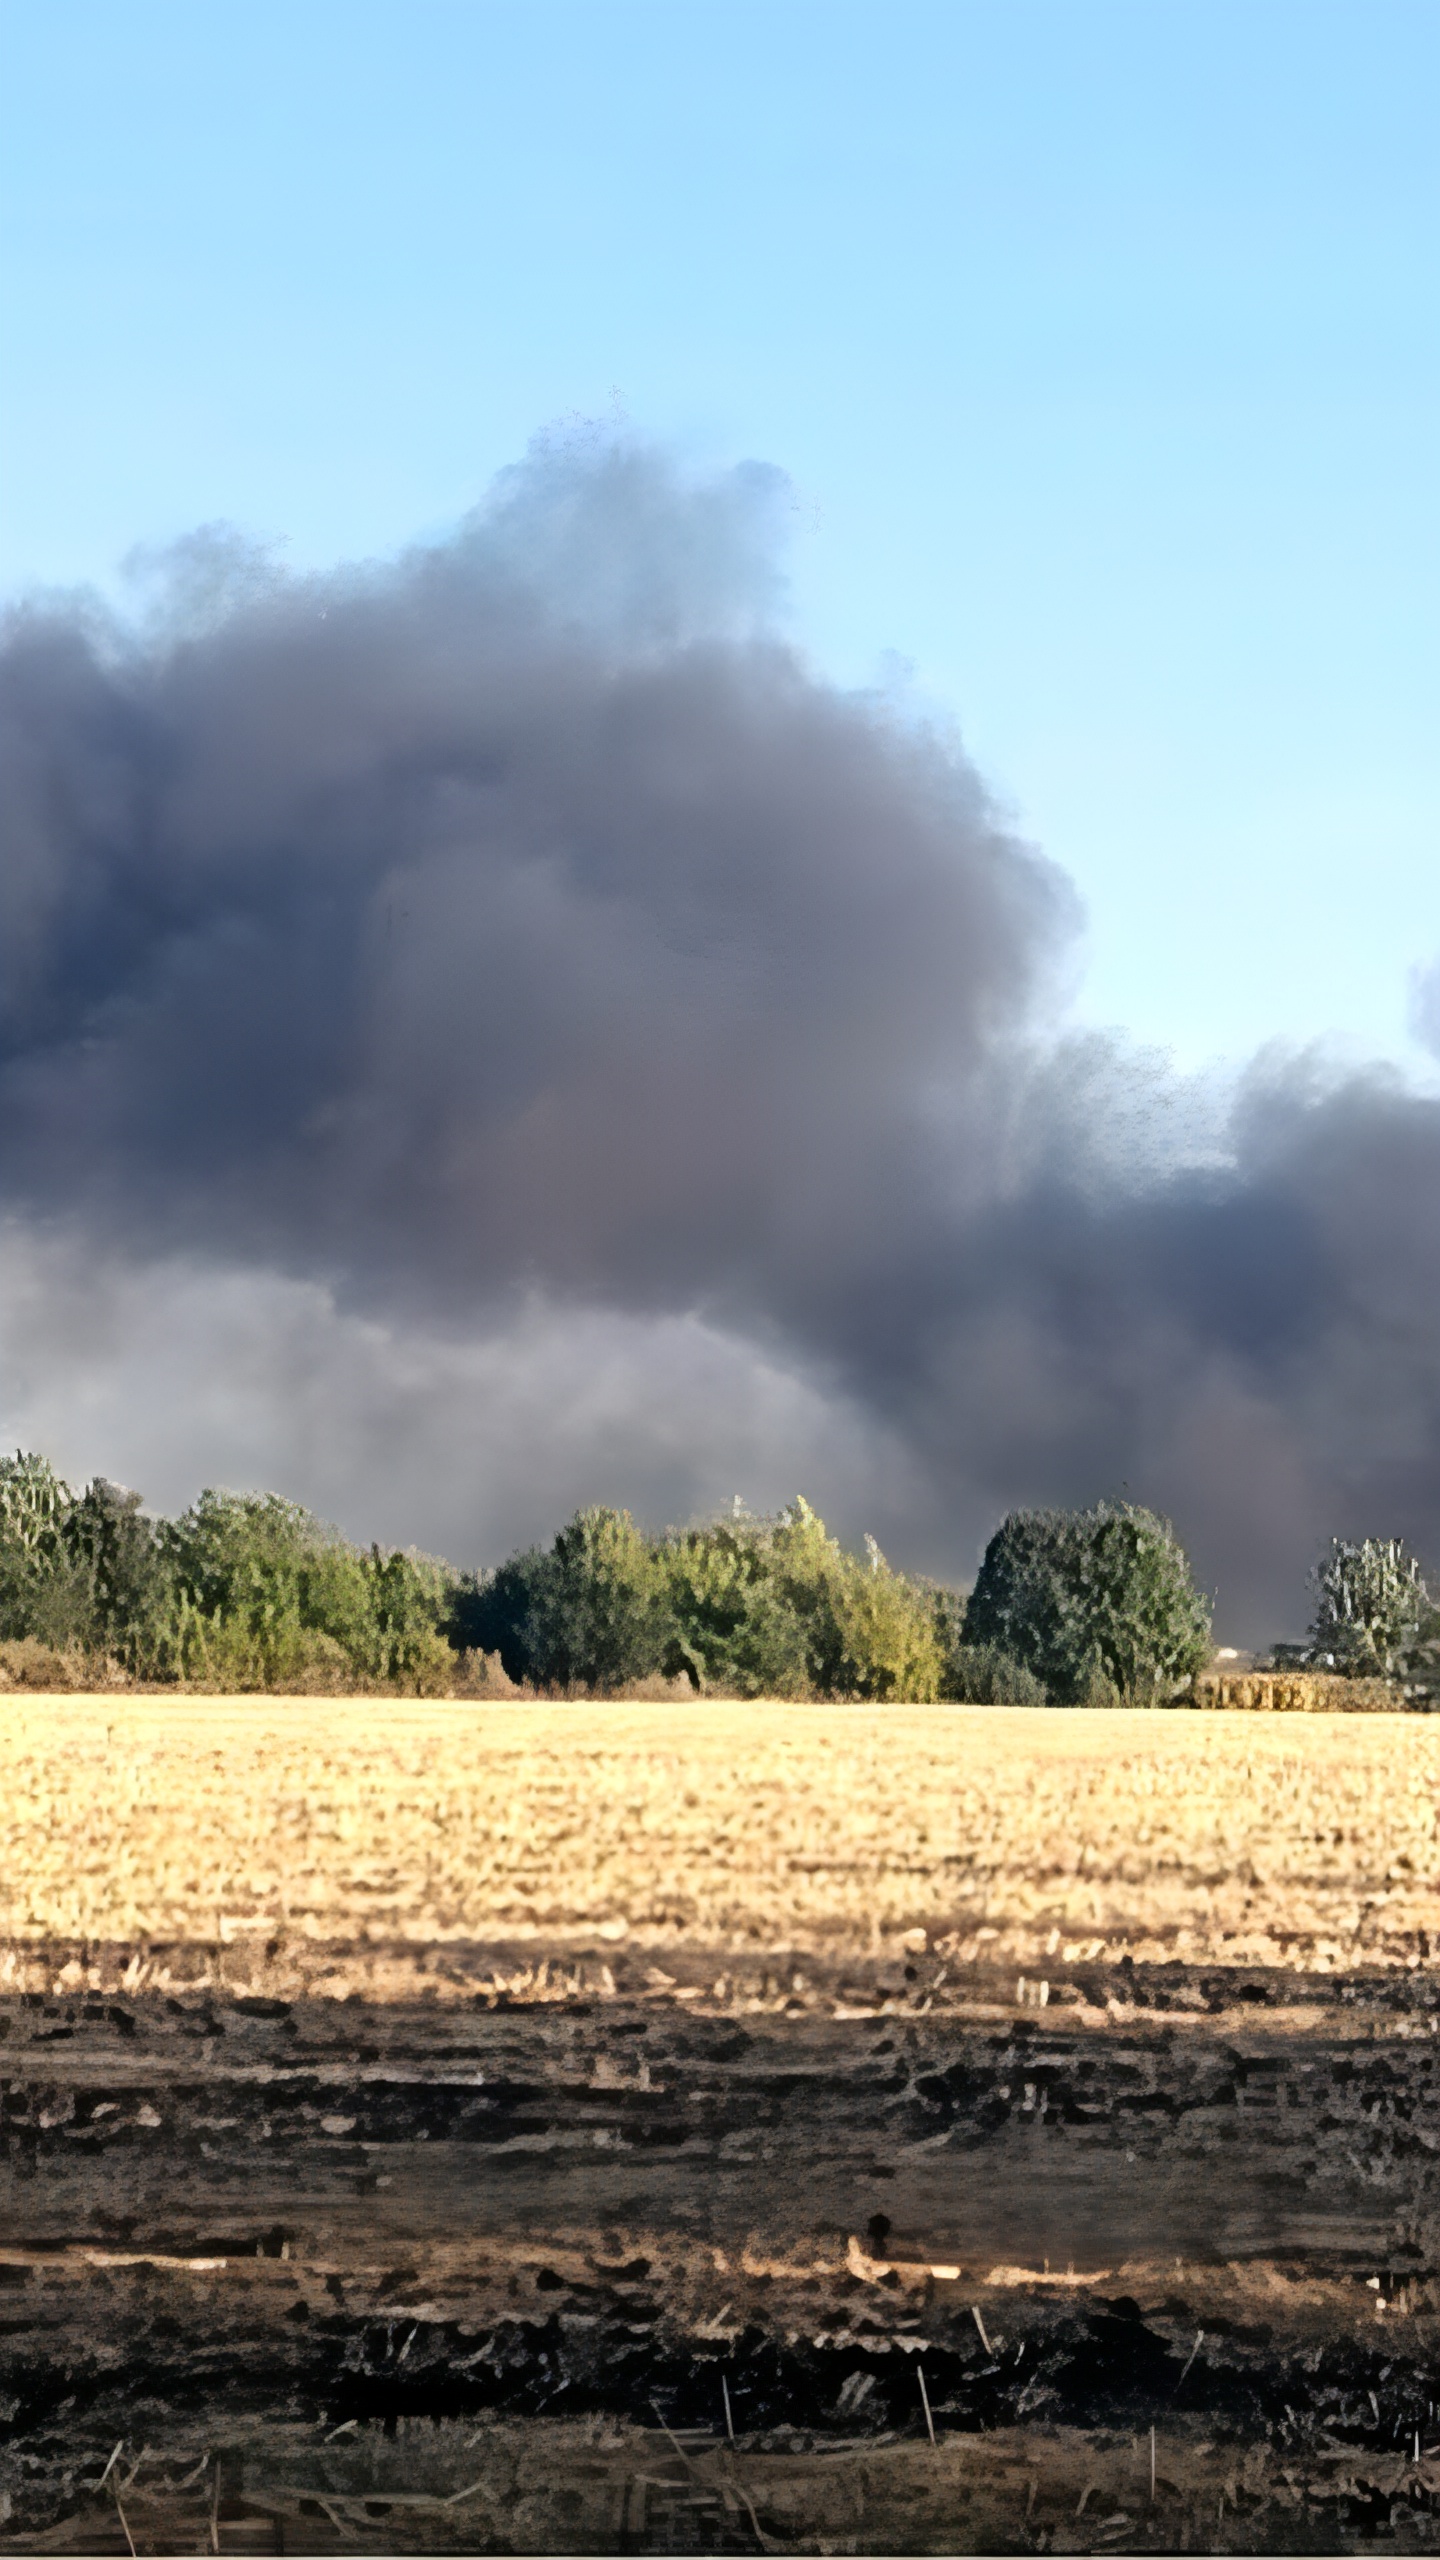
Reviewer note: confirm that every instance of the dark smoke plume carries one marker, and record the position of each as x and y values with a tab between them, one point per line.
516	954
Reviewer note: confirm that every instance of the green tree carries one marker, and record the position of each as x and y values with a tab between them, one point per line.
874	1632
118	1574
776	1608
34	1501
40	1595
733	1631
406	1599
1096	1605
489	1611
588	1612
261	1596
1373	1612
264	1596
977	1675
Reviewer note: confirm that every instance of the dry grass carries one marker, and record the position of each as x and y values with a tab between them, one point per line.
1027	1835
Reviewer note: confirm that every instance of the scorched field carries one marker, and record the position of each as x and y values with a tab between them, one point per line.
600	2127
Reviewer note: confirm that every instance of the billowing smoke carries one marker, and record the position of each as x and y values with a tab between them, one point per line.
496	1030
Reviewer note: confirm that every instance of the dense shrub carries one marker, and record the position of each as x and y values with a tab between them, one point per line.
981	1675
27	1663
1098	1606
975	1674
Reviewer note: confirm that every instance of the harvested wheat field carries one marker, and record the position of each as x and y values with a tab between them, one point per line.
730	2128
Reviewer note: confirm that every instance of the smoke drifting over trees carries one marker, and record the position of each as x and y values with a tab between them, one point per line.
502	1016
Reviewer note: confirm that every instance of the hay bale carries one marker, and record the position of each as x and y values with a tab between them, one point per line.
1305	1693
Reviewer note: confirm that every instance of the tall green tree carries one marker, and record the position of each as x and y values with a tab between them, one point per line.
34	1501
246	1571
407	1600
587	1613
119	1578
40	1596
1373	1611
1097	1605
872	1633
734	1628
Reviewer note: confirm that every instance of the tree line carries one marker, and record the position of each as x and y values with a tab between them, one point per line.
242	1591
248	1591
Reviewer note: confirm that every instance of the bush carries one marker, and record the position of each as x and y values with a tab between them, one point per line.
1098	1606
973	1674
980	1675
27	1663
478	1674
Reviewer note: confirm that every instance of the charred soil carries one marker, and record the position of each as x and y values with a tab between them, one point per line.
691	2265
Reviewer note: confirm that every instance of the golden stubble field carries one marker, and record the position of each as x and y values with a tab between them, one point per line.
387	1832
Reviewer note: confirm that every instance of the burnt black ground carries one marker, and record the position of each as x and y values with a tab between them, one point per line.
270	2239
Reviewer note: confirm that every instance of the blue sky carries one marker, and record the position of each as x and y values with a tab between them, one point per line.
1099	341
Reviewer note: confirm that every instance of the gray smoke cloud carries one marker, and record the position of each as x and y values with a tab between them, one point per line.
495	1029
